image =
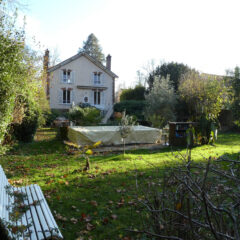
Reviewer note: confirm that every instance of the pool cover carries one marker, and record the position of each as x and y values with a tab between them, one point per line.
110	135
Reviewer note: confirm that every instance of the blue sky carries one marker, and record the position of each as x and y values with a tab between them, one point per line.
203	34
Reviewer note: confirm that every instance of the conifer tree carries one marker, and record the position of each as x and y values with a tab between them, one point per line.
93	48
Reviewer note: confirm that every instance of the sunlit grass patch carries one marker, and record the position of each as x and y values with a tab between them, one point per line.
96	203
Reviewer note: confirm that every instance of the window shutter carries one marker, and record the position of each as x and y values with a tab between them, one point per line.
60	76
72	97
60	96
103	98
72	75
91	100
92	78
102	79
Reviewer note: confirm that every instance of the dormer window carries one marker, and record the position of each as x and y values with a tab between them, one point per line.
67	76
97	78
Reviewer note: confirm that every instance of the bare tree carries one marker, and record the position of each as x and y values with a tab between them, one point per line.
54	57
191	201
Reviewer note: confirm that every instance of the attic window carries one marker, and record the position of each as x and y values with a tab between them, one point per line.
97	77
66	76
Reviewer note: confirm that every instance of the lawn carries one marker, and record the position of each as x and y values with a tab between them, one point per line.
96	204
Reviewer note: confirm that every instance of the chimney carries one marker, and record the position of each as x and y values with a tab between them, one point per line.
45	68
109	59
46	60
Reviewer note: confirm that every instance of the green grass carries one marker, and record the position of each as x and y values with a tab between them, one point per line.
97	199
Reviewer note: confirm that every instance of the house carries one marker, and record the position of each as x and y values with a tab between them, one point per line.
81	79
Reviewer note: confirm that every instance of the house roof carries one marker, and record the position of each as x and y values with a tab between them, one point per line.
83	54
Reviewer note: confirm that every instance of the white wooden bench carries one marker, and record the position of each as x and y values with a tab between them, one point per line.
36	216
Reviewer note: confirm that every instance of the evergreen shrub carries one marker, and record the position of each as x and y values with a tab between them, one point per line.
26	130
88	116
132	107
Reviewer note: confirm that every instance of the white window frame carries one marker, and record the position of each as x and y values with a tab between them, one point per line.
67	98
97	101
67	76
97	78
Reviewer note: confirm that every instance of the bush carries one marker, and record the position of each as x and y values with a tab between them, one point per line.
88	116
26	130
84	105
132	107
136	93
161	102
51	115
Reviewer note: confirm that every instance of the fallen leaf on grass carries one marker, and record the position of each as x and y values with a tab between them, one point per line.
132	203
92	176
59	217
126	238
83	216
74	220
50	174
80	238
64	176
94	203
49	181
179	206
121	203
88	218
105	221
121	190
114	216
15	182
89	227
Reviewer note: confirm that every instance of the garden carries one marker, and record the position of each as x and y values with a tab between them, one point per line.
173	192
101	203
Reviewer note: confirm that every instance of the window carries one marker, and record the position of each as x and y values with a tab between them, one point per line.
66	96
97	78
66	76
97	98
85	99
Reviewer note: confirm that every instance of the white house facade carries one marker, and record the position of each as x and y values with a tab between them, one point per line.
81	79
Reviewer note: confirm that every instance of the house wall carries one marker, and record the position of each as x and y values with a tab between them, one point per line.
83	70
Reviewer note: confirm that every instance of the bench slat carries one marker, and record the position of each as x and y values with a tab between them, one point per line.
44	225
4	198
29	217
1	192
36	222
27	234
10	208
5	201
19	221
47	212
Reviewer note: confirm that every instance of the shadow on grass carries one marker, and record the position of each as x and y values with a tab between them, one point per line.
110	182
229	138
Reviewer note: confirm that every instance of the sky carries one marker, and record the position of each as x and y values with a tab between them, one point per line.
204	34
